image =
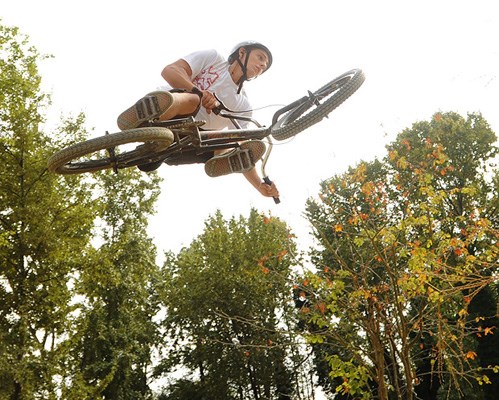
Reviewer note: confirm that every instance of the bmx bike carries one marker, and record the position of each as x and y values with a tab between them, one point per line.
182	141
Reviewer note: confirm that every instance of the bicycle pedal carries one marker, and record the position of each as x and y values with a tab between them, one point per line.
147	107
240	161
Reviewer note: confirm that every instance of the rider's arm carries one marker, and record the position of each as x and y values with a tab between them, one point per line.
179	76
255	180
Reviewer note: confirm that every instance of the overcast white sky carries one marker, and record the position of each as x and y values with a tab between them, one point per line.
419	57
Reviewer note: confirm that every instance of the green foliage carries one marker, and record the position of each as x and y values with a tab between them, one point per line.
114	333
75	316
226	296
45	226
184	389
408	244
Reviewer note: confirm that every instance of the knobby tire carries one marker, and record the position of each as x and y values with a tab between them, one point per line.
313	108
69	160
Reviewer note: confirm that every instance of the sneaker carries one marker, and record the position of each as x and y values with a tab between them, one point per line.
149	107
238	160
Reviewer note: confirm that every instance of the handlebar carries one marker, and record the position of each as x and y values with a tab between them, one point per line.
267	180
222	107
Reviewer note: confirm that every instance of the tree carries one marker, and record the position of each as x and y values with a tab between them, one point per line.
45	228
460	154
226	298
408	246
75	320
114	333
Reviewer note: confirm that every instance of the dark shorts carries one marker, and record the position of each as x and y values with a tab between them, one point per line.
188	157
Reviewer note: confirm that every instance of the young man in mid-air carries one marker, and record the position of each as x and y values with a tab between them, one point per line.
192	83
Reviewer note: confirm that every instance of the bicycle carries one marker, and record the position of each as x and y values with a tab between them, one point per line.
182	141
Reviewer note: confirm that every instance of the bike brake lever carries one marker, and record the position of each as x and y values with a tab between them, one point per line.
219	107
222	107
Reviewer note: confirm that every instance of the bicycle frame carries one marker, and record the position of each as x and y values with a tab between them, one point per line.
195	142
199	142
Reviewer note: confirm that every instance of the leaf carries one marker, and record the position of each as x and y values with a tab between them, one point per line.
489	330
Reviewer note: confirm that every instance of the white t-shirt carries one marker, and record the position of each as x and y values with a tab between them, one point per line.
210	71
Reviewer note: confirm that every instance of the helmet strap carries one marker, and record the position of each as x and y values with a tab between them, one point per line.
244	69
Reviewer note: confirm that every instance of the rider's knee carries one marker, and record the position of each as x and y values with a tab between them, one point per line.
187	103
194	101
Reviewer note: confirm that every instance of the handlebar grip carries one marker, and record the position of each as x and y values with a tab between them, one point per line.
269	182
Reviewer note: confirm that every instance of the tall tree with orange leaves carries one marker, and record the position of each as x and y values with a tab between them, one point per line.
408	266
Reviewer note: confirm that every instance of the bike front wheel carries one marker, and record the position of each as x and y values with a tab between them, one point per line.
114	150
307	111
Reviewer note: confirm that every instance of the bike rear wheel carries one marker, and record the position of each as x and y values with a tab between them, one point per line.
311	109
111	151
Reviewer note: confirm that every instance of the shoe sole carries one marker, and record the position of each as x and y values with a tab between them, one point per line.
225	164
150	107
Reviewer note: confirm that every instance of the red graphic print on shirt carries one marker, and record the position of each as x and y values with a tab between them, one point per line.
206	78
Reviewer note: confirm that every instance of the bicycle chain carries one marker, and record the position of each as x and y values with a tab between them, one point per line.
186	125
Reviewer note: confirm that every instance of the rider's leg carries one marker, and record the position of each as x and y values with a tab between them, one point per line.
184	104
160	105
226	162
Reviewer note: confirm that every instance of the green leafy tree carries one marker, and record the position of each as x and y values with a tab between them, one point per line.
114	333
459	155
409	245
227	303
45	227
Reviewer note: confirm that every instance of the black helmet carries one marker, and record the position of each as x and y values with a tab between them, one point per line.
249	45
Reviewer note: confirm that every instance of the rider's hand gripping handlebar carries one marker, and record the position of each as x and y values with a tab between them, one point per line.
267	180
